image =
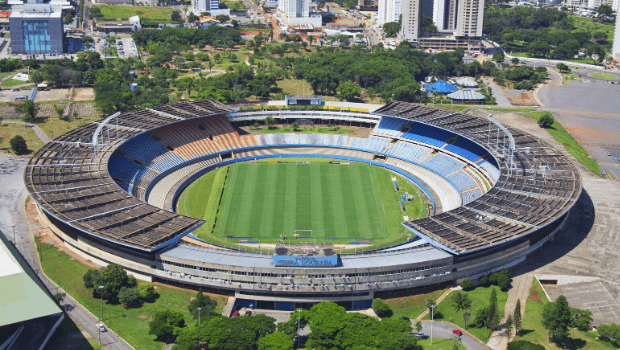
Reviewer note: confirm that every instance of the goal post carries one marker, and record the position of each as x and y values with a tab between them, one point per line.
303	233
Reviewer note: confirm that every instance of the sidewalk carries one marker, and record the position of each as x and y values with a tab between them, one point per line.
438	301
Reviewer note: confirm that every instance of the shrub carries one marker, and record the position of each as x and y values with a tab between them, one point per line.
484	280
18	145
165	325
129	297
147	293
546	121
381	308
467	284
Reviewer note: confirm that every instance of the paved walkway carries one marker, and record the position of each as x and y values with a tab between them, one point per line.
438	301
36	129
444	330
502	101
520	290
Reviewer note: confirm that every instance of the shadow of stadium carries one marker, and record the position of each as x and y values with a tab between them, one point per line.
577	227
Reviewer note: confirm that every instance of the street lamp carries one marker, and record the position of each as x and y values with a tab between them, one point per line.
298	319
100	320
199	308
432	314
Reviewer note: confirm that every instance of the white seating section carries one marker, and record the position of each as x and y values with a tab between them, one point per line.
471	196
493	171
463	181
371	144
412	152
303	139
443	164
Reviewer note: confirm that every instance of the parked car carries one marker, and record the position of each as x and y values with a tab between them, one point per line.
457	332
101	327
235	314
419	335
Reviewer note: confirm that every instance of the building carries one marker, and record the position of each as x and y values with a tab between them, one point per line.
458	22
389	11
367	5
28	314
211	6
36	28
293	12
616	48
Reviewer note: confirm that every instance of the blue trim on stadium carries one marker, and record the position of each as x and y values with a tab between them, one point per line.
245	159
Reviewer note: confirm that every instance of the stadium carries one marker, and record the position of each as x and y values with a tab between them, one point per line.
485	197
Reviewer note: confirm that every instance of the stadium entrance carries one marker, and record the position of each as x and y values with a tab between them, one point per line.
315	100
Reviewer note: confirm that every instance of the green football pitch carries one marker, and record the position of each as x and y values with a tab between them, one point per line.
267	199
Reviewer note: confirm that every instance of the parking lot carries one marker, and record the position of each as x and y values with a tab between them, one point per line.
125	46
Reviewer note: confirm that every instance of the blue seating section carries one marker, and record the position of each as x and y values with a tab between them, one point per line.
390	126
33	94
151	153
466	149
409	151
239	303
285	305
442	164
490	168
122	168
428	134
372	144
463	181
471	196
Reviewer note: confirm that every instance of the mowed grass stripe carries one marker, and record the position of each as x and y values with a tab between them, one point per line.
228	202
303	204
267	210
379	204
327	201
291	198
349	201
318	228
254	217
375	211
280	201
337	205
362	211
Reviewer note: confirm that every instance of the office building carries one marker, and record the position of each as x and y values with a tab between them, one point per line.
211	6
458	22
36	28
293	12
389	11
367	5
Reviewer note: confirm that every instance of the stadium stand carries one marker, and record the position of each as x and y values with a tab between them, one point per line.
390	126
463	181
409	151
150	153
371	144
442	164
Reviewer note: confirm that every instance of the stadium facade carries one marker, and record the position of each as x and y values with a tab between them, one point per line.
109	189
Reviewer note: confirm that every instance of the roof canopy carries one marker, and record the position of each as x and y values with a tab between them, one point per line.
441	86
466	95
466	82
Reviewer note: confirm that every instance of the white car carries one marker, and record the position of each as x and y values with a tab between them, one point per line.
101	327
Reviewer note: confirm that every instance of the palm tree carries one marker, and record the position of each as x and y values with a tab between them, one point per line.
461	301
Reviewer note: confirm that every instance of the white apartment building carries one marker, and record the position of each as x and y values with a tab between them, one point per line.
298	12
212	6
615	52
389	11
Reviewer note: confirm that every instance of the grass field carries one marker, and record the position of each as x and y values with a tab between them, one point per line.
266	200
533	331
439	344
155	14
412	306
9	130
480	298
12	82
603	76
572	146
129	324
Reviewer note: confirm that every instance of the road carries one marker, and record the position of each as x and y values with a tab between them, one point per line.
12	216
444	330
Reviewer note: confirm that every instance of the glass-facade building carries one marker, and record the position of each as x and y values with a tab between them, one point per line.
36	29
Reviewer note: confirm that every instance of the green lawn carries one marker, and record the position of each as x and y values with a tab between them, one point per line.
56	127
589	25
266	200
572	146
533	331
9	130
63	334
154	14
12	82
304	130
411	306
603	76
480	298
439	344
130	324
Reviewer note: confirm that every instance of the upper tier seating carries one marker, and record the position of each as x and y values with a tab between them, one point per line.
150	153
390	126
466	149
427	134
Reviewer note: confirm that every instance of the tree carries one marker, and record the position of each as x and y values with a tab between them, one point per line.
605	10
348	91
147	293
275	341
18	145
112	278
129	297
391	29
466	316
467	284
295	126
546	121
610	333
418	326
256	124
28	109
222	18
563	68
67	19
164	325
516	316
557	318
90	278
59	297
192	17
509	325
599	35
581	319
269	121
515	61
461	301
430	303
381	308
206	305
176	16
499	56
484	280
